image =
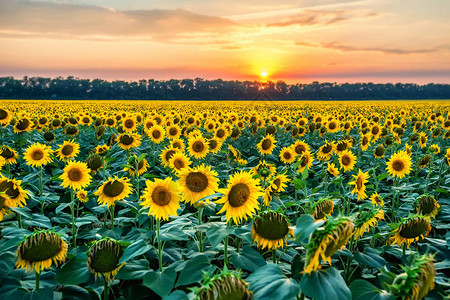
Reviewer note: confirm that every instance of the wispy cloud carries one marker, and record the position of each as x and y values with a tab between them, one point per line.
84	21
386	50
314	17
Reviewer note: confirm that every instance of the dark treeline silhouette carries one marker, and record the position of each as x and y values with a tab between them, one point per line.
202	89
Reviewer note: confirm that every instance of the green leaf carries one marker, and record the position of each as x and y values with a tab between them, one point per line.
363	290
177	295
160	282
216	232
269	282
135	249
7	263
141	157
325	284
193	270
173	233
299	184
370	258
74	272
74	292
134	270
305	226
248	259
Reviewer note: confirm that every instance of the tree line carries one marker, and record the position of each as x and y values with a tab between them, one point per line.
218	89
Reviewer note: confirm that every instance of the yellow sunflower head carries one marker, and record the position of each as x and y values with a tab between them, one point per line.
332	170
156	134
112	190
11	188
410	229
366	219
376	200
82	196
326	151
360	184
198	147
68	150
5	117
179	161
399	164
379	151
266	145
37	155
162	197
322	208
127	141
9	154
287	155
38	250
76	175
197	183
306	160
270	230
167	154
240	198
347	160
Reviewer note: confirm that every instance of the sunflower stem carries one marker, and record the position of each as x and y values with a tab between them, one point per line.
40	191
19	220
112	216
274	256
106	289
160	250
225	249
404	250
429	173
38	276
72	210
200	235
137	179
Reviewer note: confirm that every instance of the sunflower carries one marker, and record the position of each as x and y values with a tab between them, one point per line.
325	241
221	133
37	155
101	149
173	132
104	257
379	151
68	150
10	155
5	117
23	125
423	140
71	130
12	189
287	155
322	208
82	196
435	149
306	161
447	156
240	198
167	154
360	184
326	151
347	160
332	170
179	161
270	230
76	175
177	143
423	162
163	198
127	141
376	200
5	205
39	249
197	183
399	164
410	229
416	280
266	145
141	167
233	154
129	124
342	146
226	285
214	145
112	190
95	162
156	134
375	131
366	220
198	147
365	142
276	185
427	205
264	169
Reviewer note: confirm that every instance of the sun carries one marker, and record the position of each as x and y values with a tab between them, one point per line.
264	74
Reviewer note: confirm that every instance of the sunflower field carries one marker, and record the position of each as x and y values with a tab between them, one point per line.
228	200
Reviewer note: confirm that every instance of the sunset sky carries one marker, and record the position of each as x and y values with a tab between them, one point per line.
295	41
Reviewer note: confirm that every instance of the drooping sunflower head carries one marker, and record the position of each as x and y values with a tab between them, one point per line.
347	160
49	136
399	164
376	200
95	163
128	141
427	205
5	205
76	175
197	183
112	190
332	170
240	198
82	196
417	279
366	219
266	145
104	257
226	285
306	161
5	117
37	155
11	188
326	240
270	230
276	185
233	153
71	130
359	182
322	208
423	162
379	151
264	169
68	149
167	154
9	154
162	197
38	250
23	125
410	229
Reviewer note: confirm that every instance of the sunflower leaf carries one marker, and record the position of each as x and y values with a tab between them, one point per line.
160	282
325	284
363	290
305	226
135	249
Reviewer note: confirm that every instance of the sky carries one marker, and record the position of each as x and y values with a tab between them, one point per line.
292	40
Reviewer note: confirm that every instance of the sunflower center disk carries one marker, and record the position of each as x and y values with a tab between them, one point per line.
75	175
286	155
197	182
23	124
179	164
127	140
2	202
37	154
113	189
413	229
332	125
198	146
173	131
161	196
169	154
3	114
6	153
326	149
156	134
426	205
9	188
129	123
359	183
105	259
220	133
212	144
397	165
40	247
266	144
346	160
272	227
238	195
67	150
